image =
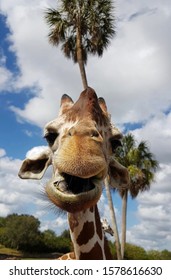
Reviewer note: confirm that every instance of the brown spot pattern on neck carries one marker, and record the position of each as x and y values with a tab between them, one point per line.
86	234
94	254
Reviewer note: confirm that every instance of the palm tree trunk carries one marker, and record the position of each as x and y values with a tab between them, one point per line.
83	74
80	59
113	218
124	219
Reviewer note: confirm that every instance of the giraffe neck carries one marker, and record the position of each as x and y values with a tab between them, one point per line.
87	235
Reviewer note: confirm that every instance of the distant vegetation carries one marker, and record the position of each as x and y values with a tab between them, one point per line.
22	233
134	252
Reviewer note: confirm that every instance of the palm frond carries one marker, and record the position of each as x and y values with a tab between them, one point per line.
141	164
96	24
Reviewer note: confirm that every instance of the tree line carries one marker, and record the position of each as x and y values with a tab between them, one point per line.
22	232
134	252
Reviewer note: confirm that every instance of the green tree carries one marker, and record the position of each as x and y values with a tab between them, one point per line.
54	243
154	255
159	255
22	232
63	244
49	240
2	222
81	28
141	165
66	234
134	252
166	255
3	238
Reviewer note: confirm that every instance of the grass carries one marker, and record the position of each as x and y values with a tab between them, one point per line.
10	253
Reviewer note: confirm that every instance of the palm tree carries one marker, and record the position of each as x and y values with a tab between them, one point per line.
81	28
141	165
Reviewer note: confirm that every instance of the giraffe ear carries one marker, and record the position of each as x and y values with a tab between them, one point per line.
118	175
103	106
66	104
35	167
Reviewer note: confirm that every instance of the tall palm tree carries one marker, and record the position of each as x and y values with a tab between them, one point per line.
81	28
141	165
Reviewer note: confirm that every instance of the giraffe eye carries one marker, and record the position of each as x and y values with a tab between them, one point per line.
51	137
115	144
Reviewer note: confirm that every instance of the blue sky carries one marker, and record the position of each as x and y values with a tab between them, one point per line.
134	77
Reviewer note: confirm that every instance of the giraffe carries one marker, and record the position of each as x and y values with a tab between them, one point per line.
81	144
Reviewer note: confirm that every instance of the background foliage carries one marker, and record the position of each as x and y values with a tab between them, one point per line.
22	232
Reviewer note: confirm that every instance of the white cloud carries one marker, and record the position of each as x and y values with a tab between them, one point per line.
6	77
135	70
56	224
28	133
42	68
2	153
132	73
154	214
154	210
16	195
157	133
35	151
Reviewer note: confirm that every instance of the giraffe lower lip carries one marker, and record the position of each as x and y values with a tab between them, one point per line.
73	202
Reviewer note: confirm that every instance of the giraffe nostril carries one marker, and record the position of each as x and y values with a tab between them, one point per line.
94	133
71	131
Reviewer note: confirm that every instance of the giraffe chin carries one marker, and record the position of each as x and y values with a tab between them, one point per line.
73	202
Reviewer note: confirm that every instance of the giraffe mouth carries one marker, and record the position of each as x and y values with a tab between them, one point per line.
73	193
74	185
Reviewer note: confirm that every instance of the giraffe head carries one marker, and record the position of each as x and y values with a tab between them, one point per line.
81	147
